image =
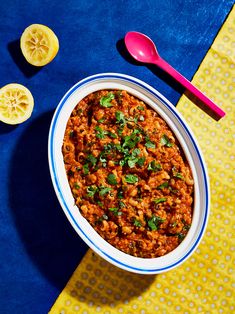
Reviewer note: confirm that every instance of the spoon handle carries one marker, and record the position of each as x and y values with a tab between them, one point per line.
189	86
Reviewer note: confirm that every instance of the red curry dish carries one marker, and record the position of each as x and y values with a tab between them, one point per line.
128	174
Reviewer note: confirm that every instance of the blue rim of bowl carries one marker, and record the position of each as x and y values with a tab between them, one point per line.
54	173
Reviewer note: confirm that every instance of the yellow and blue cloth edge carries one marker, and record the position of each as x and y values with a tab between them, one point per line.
205	282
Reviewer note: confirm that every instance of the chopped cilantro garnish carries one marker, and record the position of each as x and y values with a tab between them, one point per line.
105	101
122	162
120	117
121	204
181	236
177	174
131	178
149	144
140	107
131	140
115	211
91	190
130	119
186	227
101	120
111	178
111	134
100	132
165	141
76	186
137	223
141	161
130	159
102	158
174	191
93	160
163	185
131	162
120	193
153	166
120	130
100	203
154	222
104	190
86	169
160	200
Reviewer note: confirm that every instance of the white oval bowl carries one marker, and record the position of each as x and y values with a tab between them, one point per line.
188	143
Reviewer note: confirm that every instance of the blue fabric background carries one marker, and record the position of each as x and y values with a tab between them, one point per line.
39	250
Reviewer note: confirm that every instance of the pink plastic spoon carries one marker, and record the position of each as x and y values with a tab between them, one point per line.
144	50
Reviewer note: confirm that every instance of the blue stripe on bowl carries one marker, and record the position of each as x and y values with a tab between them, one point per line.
55	173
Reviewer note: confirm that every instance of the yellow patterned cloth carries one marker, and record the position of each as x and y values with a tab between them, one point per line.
205	283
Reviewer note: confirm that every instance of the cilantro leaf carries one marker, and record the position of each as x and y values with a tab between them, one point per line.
105	100
115	211
120	193
130	141
112	179
135	152
111	134
137	223
104	190
153	166
131	162
122	204
76	186
154	222
100	203
91	190
100	132
102	158
177	174
131	178
160	200
163	185
181	236
86	169
141	161
120	117
150	144
93	160
165	141
140	107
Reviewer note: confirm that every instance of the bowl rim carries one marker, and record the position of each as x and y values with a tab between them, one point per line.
54	175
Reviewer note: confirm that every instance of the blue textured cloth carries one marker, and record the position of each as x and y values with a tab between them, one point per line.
39	250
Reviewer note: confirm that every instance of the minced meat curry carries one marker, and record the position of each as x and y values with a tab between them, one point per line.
128	174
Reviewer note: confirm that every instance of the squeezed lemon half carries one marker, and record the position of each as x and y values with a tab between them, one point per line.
39	44
16	103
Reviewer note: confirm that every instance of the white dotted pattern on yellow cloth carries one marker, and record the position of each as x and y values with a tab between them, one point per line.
206	282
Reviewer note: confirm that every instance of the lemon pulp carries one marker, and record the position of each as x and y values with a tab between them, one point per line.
39	44
16	103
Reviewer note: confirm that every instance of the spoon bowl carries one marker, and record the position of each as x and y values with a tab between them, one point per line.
143	49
